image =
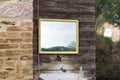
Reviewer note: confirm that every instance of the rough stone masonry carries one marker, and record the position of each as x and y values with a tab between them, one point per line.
16	31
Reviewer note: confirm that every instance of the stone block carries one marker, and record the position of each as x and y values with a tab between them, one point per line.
3	28
16	10
4	75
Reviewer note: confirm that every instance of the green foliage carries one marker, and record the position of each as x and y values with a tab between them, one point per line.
110	11
104	57
106	40
105	69
56	48
100	20
72	46
108	53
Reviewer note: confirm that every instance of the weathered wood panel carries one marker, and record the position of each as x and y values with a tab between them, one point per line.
82	10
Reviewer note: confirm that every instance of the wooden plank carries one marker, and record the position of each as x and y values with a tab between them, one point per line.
67	65
86	67
83	1
66	5
82	17
84	11
87	56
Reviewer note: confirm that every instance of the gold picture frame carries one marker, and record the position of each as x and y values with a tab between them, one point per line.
58	36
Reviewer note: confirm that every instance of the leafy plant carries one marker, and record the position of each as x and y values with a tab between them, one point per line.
108	11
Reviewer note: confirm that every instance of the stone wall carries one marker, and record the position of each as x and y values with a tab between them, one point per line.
115	31
16	30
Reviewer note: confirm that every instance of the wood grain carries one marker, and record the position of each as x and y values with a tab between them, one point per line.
82	10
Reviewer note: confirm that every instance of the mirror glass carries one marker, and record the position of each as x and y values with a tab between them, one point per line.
58	36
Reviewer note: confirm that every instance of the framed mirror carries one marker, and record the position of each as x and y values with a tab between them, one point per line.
58	36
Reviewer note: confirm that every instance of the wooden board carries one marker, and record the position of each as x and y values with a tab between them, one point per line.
82	10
